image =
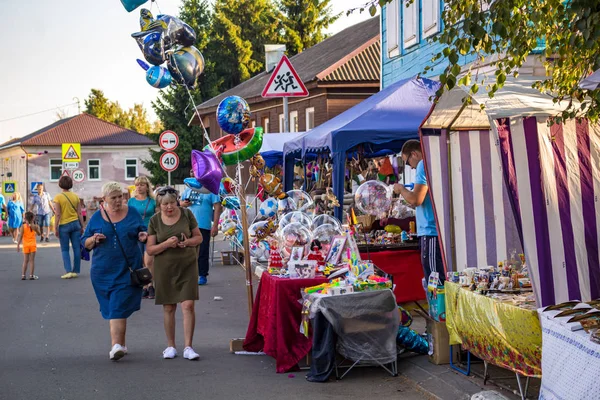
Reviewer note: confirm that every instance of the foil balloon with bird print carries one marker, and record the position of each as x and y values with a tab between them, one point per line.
186	64
158	77
152	46
173	30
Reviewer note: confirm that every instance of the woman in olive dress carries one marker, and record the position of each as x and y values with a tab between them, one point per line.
173	239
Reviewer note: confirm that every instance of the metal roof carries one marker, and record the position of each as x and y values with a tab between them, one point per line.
83	128
334	51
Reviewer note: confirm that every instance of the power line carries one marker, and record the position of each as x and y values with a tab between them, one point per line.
38	112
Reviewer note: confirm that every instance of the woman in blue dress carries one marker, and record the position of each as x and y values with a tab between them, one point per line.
118	299
15	215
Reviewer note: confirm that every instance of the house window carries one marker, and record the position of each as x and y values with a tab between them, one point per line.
93	170
265	124
310	118
131	169
55	168
431	13
392	35
294	121
409	23
281	123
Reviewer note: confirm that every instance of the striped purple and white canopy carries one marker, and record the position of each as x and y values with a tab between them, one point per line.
521	185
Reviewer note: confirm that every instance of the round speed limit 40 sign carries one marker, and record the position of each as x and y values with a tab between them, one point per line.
78	176
169	161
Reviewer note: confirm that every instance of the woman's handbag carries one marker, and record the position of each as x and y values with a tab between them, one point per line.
139	277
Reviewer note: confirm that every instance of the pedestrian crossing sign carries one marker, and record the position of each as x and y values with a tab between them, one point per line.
9	187
71	152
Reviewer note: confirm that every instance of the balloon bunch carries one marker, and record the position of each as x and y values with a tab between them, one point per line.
166	38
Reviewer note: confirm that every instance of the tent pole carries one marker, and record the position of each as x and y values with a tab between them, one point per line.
247	263
451	195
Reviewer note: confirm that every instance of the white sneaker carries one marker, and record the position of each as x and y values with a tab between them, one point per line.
169	353
125	350
190	354
117	352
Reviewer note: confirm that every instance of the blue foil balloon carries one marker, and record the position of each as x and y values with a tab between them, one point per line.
411	340
233	114
131	5
158	77
231	203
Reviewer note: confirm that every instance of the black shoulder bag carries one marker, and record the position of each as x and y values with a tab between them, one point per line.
139	277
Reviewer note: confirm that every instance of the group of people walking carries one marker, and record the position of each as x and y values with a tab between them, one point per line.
160	233
160	230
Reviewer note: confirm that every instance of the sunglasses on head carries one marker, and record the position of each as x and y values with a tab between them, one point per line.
165	190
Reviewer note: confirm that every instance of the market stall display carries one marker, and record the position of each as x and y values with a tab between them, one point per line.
274	326
362	326
502	329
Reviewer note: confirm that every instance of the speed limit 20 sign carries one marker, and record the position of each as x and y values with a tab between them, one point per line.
169	161
78	175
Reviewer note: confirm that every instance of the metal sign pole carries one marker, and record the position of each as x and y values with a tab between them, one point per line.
286	115
169	178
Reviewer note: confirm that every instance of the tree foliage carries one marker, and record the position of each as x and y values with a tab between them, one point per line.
503	34
305	22
136	118
240	29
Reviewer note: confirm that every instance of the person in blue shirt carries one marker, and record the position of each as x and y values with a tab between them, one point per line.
15	211
143	202
206	207
431	256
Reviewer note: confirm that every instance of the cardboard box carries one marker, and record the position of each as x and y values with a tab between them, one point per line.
439	343
232	257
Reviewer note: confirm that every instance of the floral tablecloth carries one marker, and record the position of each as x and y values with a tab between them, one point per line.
500	333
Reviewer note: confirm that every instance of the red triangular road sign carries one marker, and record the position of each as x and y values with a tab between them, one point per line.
284	81
65	173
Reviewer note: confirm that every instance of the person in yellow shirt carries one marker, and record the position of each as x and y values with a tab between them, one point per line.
68	226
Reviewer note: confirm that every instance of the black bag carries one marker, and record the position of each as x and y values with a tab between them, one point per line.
139	277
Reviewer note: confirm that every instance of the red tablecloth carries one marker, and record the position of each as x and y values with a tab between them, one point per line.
406	268
275	322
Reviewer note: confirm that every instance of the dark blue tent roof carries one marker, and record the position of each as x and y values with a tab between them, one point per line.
392	115
382	122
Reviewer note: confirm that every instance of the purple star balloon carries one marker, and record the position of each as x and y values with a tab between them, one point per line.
207	170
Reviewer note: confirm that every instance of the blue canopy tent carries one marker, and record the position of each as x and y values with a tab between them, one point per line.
384	121
272	147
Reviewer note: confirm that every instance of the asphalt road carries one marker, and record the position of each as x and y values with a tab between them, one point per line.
55	345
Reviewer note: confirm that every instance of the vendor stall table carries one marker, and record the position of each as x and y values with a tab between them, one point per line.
403	263
363	324
275	322
570	361
499	333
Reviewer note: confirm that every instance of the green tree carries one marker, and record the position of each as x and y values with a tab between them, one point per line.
240	29
504	33
136	118
304	22
173	106
97	104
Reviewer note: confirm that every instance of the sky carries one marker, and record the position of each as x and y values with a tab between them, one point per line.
54	53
